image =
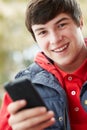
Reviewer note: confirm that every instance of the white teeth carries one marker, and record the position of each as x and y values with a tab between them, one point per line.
61	49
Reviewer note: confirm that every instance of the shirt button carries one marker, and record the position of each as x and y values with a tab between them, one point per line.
85	102
76	109
69	78
60	118
73	92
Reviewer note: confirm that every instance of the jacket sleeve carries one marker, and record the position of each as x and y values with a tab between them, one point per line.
4	115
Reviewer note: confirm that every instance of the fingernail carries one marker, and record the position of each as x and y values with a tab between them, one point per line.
22	102
43	109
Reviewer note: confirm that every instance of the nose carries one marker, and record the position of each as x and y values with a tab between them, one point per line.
55	38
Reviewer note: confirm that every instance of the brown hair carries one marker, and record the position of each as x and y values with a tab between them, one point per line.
41	11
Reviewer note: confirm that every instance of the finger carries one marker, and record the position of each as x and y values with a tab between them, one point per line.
44	125
36	121
42	118
26	114
15	106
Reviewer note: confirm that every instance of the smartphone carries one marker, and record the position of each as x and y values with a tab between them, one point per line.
23	88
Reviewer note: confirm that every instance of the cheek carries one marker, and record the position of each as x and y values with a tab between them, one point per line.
69	33
75	33
43	45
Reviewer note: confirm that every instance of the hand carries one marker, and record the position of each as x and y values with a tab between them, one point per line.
29	119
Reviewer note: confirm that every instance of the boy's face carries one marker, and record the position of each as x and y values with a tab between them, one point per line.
60	39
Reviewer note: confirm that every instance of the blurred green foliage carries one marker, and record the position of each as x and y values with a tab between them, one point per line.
15	0
14	38
13	34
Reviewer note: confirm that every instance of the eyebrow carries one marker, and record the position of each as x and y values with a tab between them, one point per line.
39	29
62	19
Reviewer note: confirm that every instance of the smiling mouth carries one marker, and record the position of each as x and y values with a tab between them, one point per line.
61	49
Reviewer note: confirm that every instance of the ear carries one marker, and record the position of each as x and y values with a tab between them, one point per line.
81	23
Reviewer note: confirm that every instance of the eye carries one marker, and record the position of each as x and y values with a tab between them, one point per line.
62	25
42	33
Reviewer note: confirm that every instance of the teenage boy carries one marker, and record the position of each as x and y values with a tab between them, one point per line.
59	72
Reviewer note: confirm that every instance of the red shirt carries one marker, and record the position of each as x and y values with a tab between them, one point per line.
72	84
4	115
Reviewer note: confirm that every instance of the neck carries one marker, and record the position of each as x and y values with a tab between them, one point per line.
80	59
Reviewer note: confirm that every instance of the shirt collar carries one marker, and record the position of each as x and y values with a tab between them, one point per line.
81	72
